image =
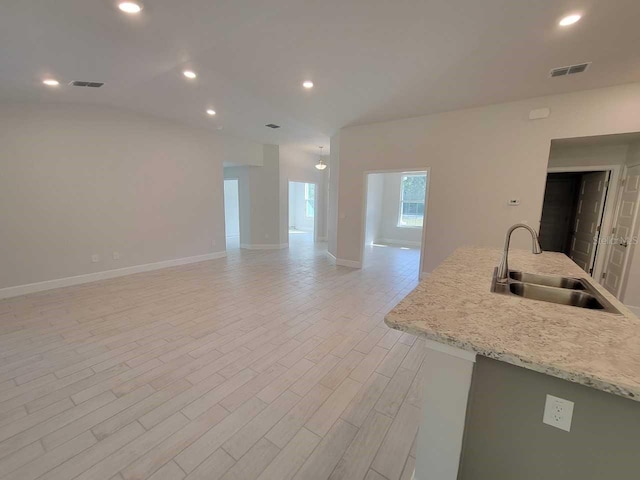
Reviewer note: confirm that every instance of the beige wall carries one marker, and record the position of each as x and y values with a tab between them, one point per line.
265	199
479	159
593	156
82	180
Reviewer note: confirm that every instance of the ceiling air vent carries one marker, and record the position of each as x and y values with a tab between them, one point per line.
272	125
80	83
569	70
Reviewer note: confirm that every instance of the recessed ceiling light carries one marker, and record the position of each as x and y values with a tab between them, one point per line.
50	82
189	74
211	112
130	7
307	84
569	20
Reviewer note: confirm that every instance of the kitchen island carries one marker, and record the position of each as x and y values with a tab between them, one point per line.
455	310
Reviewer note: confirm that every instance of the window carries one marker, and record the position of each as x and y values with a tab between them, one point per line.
309	199
413	188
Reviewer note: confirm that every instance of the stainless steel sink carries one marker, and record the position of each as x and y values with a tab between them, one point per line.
548	281
576	292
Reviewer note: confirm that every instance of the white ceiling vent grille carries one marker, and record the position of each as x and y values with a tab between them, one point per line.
569	70
80	83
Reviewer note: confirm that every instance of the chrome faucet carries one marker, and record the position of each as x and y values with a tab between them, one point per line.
502	276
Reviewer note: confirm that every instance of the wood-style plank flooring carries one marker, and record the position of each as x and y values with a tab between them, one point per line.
268	365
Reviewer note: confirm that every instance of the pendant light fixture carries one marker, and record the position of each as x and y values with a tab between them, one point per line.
321	165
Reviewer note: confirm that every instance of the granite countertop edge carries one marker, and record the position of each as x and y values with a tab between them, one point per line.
412	315
564	374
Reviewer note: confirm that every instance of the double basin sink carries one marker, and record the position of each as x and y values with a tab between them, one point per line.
576	292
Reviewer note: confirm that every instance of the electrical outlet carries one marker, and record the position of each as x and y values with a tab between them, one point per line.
558	413
116	255
95	258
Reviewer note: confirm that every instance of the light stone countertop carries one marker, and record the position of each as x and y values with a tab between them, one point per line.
455	306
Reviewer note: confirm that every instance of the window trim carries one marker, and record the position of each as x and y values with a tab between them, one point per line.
399	223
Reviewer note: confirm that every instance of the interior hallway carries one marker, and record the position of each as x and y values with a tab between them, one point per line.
267	364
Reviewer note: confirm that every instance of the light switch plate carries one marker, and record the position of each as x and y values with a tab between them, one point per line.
558	413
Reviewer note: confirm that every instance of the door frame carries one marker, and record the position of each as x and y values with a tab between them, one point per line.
315	208
224	209
610	208
629	252
363	219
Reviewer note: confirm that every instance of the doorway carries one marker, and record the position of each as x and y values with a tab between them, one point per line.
572	215
616	265
394	220
302	212
232	213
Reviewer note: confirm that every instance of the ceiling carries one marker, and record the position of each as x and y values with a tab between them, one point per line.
370	60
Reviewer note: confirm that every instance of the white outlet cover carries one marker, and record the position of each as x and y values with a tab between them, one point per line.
95	258
539	113
558	413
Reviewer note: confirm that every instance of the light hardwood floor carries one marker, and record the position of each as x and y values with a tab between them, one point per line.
269	365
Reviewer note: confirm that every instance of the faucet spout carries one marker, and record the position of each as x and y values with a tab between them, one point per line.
502	275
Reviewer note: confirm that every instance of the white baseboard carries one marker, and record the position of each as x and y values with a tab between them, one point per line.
264	246
94	277
342	262
635	310
424	275
401	243
348	263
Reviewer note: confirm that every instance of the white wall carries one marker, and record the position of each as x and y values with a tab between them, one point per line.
82	180
479	159
231	208
389	230
375	192
238	152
